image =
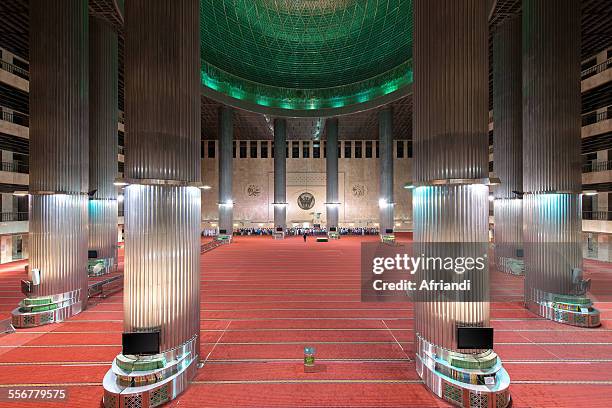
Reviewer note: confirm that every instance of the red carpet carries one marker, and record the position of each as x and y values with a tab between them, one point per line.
264	300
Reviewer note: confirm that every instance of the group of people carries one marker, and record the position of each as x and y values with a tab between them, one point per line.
359	231
298	231
253	231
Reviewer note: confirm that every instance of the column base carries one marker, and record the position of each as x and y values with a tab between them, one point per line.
465	380
150	381
224	239
567	309
41	310
387	238
100	266
511	266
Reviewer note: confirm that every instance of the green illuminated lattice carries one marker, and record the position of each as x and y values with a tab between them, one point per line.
306	54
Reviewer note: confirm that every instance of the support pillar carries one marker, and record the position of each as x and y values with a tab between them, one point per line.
331	185
58	163
450	199
162	202
508	146
554	286
385	200
103	113
226	199
280	174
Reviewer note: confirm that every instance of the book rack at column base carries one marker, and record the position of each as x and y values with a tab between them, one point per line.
224	239
41	310
100	266
567	309
150	381
465	380
387	238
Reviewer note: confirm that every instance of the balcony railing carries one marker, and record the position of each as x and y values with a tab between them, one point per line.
597	215
15	70
594	117
14	216
15	167
596	69
593	166
17	118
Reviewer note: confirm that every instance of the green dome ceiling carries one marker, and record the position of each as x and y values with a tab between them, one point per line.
301	56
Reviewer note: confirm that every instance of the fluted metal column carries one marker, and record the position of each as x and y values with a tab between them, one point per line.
508	145
450	201
103	116
554	287
58	161
331	169
280	173
226	199
162	200
385	139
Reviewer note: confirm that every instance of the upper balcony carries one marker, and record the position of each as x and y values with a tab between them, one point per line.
14	76
13	223
597	122
15	173
597	171
121	121
14	216
597	215
596	75
597	221
14	123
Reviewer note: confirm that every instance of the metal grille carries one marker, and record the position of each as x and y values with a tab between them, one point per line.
111	400
133	401
159	396
478	400
501	400
453	394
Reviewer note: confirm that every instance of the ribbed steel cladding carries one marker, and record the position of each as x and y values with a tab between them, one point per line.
331	168
103	227
103	109
163	111
451	214
225	153
280	172
508	227
226	129
226	218
385	138
450	141
59	96
280	162
551	95
508	138
162	223
58	242
331	160
551	222
450	90
162	261
103	112
508	108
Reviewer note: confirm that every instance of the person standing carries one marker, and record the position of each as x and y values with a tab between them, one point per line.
305	235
